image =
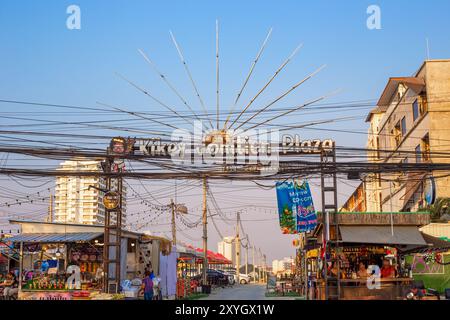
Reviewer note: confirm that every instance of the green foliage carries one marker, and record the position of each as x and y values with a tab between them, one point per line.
440	207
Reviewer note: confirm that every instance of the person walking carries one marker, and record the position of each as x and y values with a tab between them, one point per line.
147	286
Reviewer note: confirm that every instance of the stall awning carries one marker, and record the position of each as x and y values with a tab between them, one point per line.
432	244
55	237
403	235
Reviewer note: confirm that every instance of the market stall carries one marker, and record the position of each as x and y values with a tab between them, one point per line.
362	260
65	261
186	270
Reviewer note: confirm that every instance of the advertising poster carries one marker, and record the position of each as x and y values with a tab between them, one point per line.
287	209
306	214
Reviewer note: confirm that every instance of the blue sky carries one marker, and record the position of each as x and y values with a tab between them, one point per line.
41	60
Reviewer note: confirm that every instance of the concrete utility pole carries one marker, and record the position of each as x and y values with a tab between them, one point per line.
265	268
174	230
260	264
246	258
253	263
205	233
238	248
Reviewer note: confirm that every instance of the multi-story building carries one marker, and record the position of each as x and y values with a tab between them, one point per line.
372	183
410	125
357	201
78	199
227	248
284	265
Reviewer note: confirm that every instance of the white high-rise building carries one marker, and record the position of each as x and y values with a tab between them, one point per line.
227	248
283	265
76	201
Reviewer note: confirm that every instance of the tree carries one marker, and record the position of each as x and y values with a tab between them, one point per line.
440	210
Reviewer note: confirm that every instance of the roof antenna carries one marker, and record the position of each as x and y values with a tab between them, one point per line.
428	49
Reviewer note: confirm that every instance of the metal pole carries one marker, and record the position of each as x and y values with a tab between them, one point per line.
217	74
238	249
20	266
174	231
205	233
390	204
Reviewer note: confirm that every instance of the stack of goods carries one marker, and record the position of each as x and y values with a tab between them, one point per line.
46	282
81	295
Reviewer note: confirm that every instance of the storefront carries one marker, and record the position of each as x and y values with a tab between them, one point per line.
189	268
65	261
362	260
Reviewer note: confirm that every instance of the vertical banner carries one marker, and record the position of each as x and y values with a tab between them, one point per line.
287	209
306	214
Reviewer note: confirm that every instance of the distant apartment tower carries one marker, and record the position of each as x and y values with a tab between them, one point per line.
77	199
227	248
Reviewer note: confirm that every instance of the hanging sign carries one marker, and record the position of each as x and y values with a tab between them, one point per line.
295	207
306	215
111	200
286	207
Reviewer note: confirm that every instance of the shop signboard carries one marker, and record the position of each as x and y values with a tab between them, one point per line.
271	282
306	215
286	207
295	207
111	200
44	295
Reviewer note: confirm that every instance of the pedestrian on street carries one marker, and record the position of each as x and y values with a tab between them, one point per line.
147	286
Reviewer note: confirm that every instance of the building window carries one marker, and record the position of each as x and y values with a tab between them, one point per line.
418	154
403	126
426	147
415	107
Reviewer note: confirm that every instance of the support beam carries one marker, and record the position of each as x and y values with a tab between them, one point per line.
205	232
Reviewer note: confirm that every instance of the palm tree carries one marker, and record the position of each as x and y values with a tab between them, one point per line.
440	210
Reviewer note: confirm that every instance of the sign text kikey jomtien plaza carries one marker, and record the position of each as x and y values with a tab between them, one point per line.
260	148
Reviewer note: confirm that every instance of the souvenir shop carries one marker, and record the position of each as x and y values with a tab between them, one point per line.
364	252
65	261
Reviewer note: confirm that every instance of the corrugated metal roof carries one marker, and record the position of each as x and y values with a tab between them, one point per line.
55	237
403	235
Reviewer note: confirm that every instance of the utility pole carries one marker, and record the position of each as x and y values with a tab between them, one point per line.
265	268
246	258
205	233
391	209
50	209
238	248
260	263
174	230
253	262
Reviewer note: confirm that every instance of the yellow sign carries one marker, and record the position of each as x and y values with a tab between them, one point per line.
111	200
312	253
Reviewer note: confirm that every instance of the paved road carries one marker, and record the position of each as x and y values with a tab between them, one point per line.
239	292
